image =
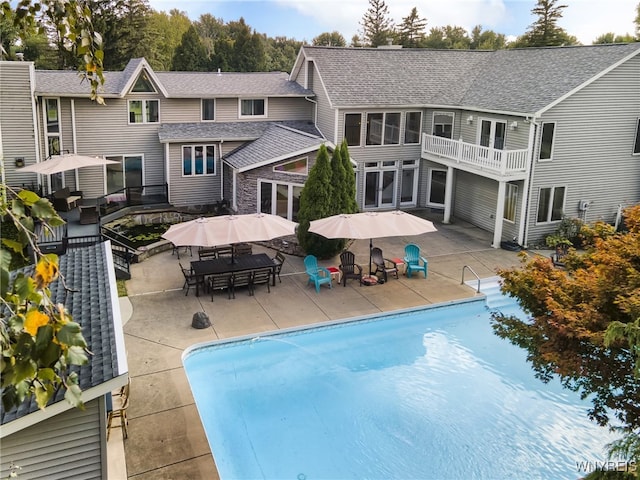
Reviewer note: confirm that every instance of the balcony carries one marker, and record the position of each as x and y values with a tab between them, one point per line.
489	162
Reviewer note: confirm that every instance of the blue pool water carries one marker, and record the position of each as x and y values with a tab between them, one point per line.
425	394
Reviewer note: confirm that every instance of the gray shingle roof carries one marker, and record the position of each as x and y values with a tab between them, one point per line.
277	142
89	303
176	84
518	80
227	131
204	84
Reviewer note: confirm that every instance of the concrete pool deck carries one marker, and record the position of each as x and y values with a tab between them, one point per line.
166	438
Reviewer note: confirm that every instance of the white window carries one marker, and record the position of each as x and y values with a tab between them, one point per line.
551	204
546	141
443	124
636	145
383	129
412	127
52	126
253	107
352	128
510	202
208	109
198	160
144	111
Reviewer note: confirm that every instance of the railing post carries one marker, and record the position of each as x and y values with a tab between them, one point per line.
460	150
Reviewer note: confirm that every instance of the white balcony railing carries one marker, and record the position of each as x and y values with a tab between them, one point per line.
502	162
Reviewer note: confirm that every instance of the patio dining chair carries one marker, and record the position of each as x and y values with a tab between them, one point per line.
317	275
349	268
383	265
220	281
190	280
241	279
414	261
278	261
261	276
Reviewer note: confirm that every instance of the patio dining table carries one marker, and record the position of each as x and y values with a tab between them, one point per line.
202	268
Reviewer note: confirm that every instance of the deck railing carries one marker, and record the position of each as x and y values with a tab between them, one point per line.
503	162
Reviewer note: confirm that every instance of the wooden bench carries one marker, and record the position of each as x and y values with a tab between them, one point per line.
65	200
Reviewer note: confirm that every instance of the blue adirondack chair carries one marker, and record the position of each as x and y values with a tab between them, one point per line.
413	260
317	275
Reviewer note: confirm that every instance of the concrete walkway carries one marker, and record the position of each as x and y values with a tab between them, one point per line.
166	438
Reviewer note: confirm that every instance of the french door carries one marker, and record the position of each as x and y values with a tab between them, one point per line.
492	134
380	184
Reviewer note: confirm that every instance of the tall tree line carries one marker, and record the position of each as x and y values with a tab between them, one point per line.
171	41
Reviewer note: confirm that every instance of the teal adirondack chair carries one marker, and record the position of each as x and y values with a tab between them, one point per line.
413	261
317	275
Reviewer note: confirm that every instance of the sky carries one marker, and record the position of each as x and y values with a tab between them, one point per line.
305	19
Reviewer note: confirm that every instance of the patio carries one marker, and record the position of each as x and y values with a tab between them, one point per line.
166	439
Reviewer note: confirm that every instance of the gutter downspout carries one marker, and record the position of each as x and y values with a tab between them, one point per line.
221	170
315	112
523	231
74	135
36	129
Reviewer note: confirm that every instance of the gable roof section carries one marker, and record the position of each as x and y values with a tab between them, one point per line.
528	80
377	77
278	142
520	81
172	84
89	274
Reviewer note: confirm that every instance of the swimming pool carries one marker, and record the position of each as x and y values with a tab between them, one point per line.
429	393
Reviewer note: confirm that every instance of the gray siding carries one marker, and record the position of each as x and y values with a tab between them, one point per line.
593	143
278	108
95	123
67	446
16	117
325	115
475	199
193	190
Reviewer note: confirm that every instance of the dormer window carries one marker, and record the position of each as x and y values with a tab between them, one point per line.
143	84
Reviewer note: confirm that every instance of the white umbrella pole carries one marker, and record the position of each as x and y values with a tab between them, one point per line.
370	249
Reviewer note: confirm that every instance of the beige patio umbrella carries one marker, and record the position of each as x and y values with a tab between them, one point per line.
229	229
64	162
371	225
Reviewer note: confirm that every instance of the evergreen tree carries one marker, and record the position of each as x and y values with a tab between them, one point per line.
125	30
248	48
637	22
411	30
377	27
315	203
191	54
351	204
545	32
